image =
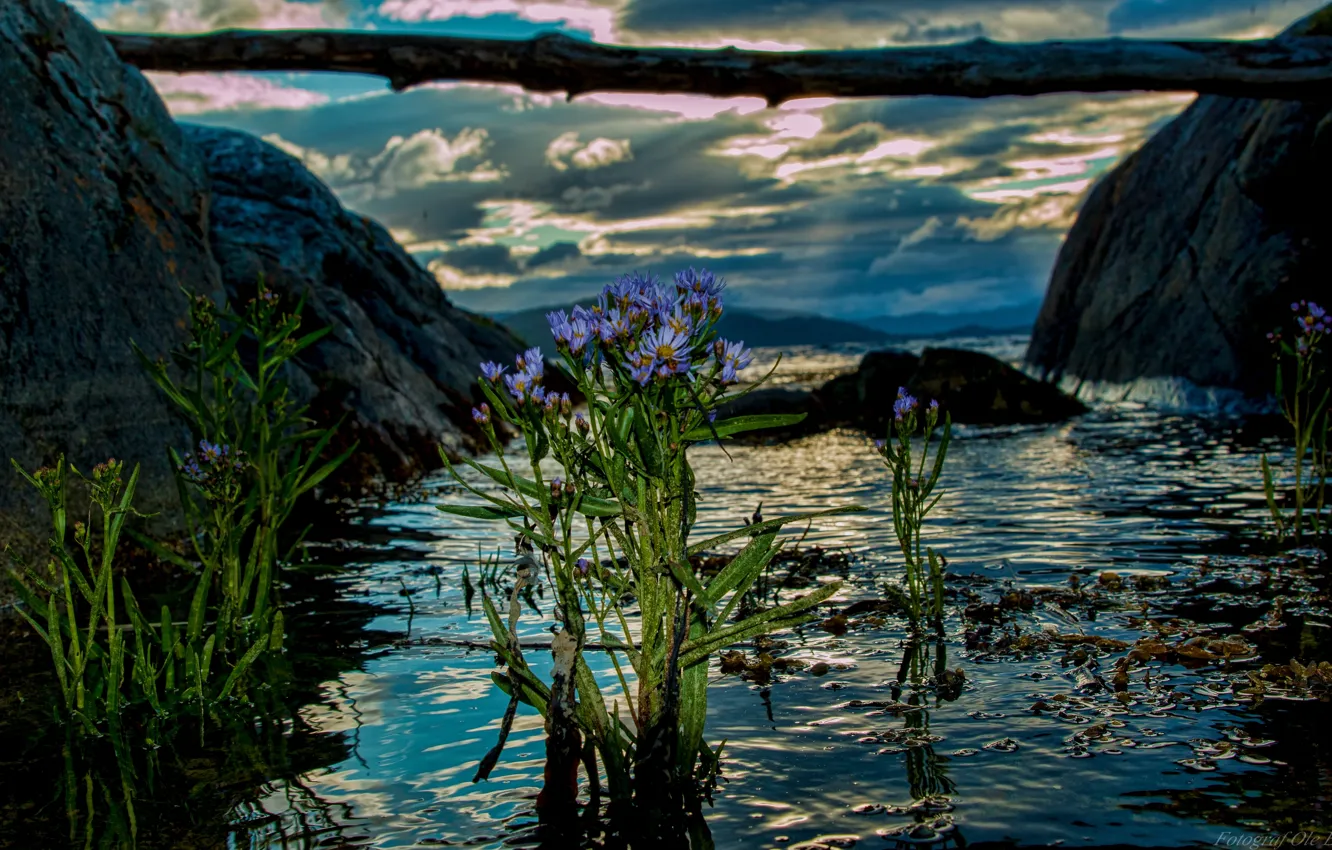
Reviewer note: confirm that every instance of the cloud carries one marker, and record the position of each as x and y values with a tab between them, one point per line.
566	149
207	15
598	20
191	94
406	163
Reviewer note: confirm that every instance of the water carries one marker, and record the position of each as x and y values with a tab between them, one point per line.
1127	488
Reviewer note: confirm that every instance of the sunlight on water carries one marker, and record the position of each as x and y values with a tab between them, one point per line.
1127	488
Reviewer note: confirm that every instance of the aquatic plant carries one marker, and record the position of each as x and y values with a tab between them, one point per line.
257	454
912	488
1304	404
612	532
72	601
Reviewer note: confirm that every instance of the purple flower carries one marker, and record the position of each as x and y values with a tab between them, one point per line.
584	566
539	395
703	283
580	334
905	404
491	371
581	423
531	362
934	405
559	325
1295	306
641	370
1316	311
481	415
712	416
733	357
670	348
519	385
679	321
880	445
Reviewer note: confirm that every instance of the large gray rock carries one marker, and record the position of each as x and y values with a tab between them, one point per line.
108	208
102	220
1189	252
401	360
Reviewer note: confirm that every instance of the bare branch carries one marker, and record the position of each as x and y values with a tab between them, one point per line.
1284	68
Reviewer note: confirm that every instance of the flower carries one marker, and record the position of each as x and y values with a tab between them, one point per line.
733	357
580	334
641	370
583	565
481	415
531	362
934	405
491	371
559	325
703	283
669	347
905	404
519	385
581	423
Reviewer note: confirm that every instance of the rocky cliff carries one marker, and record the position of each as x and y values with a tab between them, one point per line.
108	208
1184	256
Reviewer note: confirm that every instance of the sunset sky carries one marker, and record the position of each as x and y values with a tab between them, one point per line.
847	208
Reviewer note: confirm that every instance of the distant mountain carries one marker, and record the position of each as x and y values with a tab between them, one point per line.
1019	318
754	329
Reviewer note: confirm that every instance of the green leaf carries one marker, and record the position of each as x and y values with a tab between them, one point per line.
260	644
480	511
768	525
780	617
324	471
587	505
743	568
739	424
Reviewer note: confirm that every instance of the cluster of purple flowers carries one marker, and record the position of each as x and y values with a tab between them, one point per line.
524	385
906	404
656	330
1311	319
211	462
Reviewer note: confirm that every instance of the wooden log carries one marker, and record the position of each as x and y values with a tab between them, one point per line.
1292	68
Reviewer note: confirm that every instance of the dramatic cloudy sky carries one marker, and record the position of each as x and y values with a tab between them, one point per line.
840	207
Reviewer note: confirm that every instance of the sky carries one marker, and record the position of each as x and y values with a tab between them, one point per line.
848	208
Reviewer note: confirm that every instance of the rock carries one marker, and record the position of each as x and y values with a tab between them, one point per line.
864	398
1190	251
978	389
974	388
108	208
401	360
102	220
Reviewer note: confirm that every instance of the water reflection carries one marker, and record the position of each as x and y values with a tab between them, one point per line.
845	732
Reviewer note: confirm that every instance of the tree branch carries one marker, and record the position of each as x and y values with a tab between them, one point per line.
1285	68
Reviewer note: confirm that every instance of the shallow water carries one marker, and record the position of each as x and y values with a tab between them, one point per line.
1125	488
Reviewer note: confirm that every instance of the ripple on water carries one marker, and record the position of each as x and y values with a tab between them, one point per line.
1124	489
